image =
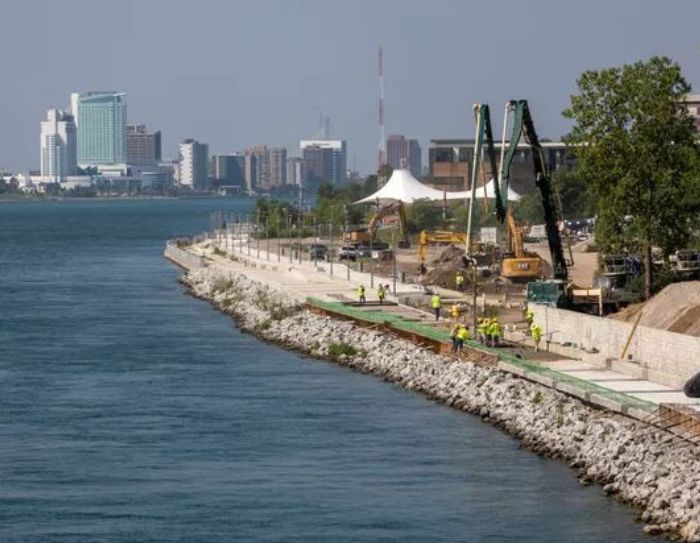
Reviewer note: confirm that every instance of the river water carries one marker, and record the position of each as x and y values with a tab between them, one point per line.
130	411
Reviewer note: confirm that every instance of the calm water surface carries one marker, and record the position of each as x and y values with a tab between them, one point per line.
131	412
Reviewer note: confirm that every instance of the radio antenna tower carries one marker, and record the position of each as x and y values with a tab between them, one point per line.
381	166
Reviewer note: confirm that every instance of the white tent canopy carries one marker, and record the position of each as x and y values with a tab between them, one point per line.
403	187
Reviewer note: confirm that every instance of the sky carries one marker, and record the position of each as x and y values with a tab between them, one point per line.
244	72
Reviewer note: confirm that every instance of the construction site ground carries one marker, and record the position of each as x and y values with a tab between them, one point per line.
314	283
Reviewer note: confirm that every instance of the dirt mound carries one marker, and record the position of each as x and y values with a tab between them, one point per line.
676	309
445	268
449	255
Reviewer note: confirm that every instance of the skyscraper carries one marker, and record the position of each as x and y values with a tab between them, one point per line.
294	171
194	164
143	148
228	169
277	167
325	161
404	153
58	145
101	120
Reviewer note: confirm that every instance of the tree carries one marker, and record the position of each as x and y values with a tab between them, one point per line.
574	194
635	144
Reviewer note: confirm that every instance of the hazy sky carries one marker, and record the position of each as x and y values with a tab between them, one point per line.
236	73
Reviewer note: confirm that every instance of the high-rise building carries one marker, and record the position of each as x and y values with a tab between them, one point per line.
294	171
324	161
404	153
277	167
143	148
194	164
257	168
59	154
228	170
101	121
251	171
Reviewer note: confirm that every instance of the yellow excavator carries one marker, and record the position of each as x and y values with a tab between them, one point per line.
398	210
519	265
438	237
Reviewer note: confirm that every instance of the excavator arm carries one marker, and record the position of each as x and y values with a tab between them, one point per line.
394	208
523	126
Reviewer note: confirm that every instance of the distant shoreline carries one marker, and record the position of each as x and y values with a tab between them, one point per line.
23	198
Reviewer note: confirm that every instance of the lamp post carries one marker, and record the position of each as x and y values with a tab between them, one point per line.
279	236
257	234
345	236
247	229
300	225
267	237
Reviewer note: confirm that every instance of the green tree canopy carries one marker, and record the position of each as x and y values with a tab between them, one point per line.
635	144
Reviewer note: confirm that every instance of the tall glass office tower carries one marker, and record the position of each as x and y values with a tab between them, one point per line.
101	121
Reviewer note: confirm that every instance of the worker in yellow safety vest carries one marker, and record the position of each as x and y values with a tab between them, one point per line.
483	329
454	311
529	315
462	336
361	294
381	294
495	332
436	303
459	281
454	333
536	333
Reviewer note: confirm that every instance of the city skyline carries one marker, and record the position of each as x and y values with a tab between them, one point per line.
437	63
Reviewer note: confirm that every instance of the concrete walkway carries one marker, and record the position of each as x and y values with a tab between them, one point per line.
308	279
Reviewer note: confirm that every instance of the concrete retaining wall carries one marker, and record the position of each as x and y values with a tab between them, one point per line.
664	357
183	258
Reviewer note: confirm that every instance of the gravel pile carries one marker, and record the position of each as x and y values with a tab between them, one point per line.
634	461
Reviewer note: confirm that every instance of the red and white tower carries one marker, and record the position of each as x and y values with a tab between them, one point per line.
381	165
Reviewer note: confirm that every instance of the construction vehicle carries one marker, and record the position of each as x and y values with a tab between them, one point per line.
519	265
395	212
440	237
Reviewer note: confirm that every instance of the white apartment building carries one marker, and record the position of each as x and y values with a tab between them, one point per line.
194	164
58	146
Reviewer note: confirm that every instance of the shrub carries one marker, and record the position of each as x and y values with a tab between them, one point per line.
335	350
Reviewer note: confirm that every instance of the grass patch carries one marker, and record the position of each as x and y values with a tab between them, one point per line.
336	350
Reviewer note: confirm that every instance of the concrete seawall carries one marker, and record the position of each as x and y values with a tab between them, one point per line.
633	461
658	355
183	258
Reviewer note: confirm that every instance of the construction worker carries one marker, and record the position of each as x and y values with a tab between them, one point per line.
486	332
459	281
381	294
436	303
462	336
454	336
361	294
455	311
529	315
495	333
536	333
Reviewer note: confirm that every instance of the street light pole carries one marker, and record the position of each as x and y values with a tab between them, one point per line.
345	237
279	236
